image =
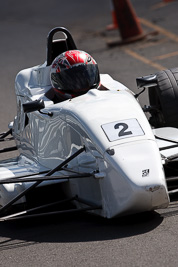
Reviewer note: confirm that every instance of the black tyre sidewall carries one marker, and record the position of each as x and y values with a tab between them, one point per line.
167	92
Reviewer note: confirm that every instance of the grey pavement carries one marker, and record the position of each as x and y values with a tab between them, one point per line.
83	240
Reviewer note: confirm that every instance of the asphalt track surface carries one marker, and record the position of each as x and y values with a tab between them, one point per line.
82	240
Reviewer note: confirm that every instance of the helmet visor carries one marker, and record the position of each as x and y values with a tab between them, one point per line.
77	79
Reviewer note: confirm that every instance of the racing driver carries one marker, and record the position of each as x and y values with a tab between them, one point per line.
73	73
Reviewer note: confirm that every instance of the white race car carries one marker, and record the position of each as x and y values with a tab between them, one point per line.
96	152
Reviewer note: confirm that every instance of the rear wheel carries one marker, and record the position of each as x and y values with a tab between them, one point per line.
164	97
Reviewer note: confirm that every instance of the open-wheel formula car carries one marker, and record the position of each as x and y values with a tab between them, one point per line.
96	152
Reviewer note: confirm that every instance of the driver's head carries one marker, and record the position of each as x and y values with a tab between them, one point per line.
74	72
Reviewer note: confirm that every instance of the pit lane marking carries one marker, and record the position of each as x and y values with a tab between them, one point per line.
172	54
143	59
147	61
152	43
168	34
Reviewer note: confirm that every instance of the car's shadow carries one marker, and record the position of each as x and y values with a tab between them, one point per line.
74	228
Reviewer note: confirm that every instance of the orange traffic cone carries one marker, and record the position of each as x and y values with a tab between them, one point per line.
166	1
129	26
114	24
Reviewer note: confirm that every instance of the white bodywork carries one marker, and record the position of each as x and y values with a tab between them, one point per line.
120	146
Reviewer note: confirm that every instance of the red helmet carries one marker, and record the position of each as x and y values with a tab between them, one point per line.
74	72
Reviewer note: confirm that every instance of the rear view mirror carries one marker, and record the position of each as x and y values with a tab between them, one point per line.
33	106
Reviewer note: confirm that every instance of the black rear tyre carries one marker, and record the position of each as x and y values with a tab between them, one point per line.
165	96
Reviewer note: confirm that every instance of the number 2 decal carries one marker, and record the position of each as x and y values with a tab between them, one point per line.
123	130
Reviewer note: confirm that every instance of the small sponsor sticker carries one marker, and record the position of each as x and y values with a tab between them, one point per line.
145	173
